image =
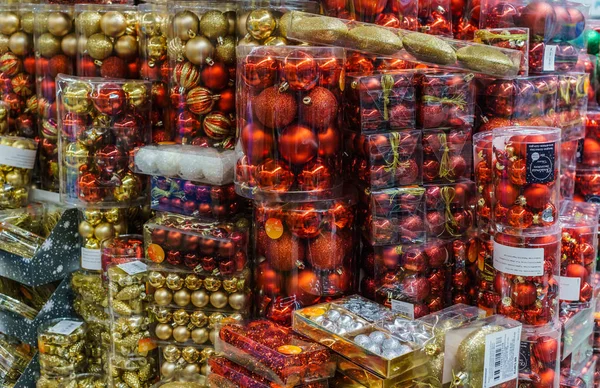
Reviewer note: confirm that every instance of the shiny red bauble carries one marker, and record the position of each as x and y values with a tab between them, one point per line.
300	70
540	18
297	144
109	99
257	142
545	349
215	77
524	294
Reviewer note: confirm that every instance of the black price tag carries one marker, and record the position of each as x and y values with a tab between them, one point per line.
540	162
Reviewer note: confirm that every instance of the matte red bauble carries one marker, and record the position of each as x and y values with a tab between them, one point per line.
215	77
537	195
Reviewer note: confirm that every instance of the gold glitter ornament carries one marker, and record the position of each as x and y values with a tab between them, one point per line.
200	335
9	23
3	44
429	48
59	24
225	50
28	21
198	319
375	39
218	299
193	282
174	282
182	297
99	46
49	45
469	357
76	97
131	379
171	353
163	297
214	24
261	23
121	308
20	43
130	292
126	47
190	354
156	279
88	23
185	25
199	51
329	30
113	23
163	331
200	298
487	59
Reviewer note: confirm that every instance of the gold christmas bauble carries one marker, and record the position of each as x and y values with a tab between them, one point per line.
200	335
88	23
93	216
91	243
20	43
129	189
193	282
171	353
240	24
238	300
198	318
40	23
48	45
163	331
76	154
261	23
16	178
59	23
104	231
9	23
76	97
3	44
167	369
113	23
225	50
151	23
163	297
126	47
200	298
137	94
214	24
205	369
99	46
248	40
181	317
182	297
198	50
156	279
284	24
181	334
231	18
190	370
275	41
120	227
68	45
218	299
28	21
112	215
81	44
185	25
190	354
174	281
213	335
86	230
156	47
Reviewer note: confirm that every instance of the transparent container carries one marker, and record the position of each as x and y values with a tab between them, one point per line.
447	155
101	122
587	184
107	41
539	355
17	160
185	363
5	129
61	347
55	46
121	249
449	209
305	252
571	104
570	154
289	139
95	227
512	38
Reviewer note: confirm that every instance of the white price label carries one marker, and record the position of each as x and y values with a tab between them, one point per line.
65	327
133	267
17	157
519	261
403	308
568	288
549	56
91	259
501	362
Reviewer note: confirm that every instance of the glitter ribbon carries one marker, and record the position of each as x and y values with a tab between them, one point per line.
387	83
395	143
448	194
445	159
174	191
488	35
458	100
563	88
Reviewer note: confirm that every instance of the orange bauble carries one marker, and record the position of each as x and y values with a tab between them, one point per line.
268	281
327	251
329	142
257	142
591	152
577	271
284	253
506	193
297	144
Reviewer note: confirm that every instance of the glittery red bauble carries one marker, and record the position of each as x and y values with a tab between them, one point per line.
319	108
329	140
544	379
275	109
420	310
545	349
416	288
297	144
328	250
259	70
215	77
407	172
537	195
274	176
506	193
432	115
284	253
332	7
540	18
368	286
29	65
113	67
150	72
458	167
436	223
226	101
109	99
59	64
89	189
524	294
410	227
268	281
257	143
300	70
315	175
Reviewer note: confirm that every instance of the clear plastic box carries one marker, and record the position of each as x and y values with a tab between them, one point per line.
449	209
17	160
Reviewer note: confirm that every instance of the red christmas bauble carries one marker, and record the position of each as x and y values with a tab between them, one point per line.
544	379
577	271
226	101
537	195
186	75
275	109
359	63
284	253
109	98
437	253
305	221
59	64
506	193
369	8
89	188
113	67
416	288
257	143
315	175
524	294
259	70
545	349
215	77
591	152
435	222
329	142
328	250
200	100
297	144
519	217
540	18
411	227
414	260
268	281
501	284
319	108
217	126
300	70
432	115
407	172
431	170
274	176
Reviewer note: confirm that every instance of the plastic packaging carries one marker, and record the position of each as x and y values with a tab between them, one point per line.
403	44
570	152
449	209
571	105
289	139
512	38
101	122
121	249
185	363
107	40
55	337
5	129
96	226
306	253
539	355
17	160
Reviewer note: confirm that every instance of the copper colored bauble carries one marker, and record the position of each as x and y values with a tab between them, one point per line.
305	222
577	271
284	253
544	379
297	144
328	250
319	108
591	152
315	175
226	101
545	349
275	109
506	193
300	70
109	99
257	142
268	280
537	195
524	294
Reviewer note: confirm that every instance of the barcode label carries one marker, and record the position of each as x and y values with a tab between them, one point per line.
403	308
501	363
65	327
133	267
549	55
